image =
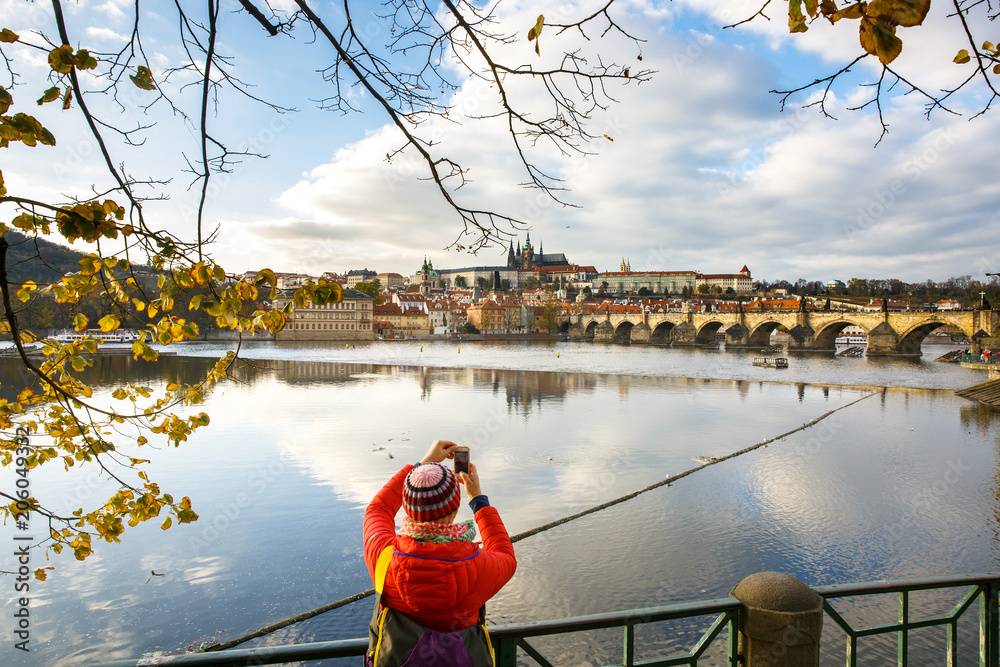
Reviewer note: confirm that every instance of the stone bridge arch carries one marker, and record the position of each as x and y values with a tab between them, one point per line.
760	336
706	333
623	332
910	340
662	334
826	337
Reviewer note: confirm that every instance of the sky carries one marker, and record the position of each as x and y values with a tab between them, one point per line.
702	168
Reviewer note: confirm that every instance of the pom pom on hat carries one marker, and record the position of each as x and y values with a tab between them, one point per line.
430	492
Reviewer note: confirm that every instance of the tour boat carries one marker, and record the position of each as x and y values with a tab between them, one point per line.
116	336
852	340
771	362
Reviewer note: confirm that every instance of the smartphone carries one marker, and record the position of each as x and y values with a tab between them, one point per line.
462	459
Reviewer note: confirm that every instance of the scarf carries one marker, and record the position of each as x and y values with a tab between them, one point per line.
429	531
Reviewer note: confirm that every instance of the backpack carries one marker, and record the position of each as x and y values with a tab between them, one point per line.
396	640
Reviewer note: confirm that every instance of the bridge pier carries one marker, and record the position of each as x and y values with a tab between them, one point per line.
883	341
604	333
684	334
577	332
737	337
641	333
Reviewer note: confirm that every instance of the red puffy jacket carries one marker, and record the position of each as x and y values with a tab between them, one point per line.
440	585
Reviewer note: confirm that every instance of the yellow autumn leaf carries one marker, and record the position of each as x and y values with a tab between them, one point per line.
536	29
108	323
906	13
880	40
962	57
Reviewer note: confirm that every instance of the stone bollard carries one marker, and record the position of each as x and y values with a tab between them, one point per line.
781	623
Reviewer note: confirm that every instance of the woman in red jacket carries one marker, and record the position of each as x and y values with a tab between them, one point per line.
437	576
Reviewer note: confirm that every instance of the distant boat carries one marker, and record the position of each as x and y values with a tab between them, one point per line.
861	339
771	362
116	336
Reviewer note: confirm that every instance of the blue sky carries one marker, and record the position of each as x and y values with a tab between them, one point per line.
704	173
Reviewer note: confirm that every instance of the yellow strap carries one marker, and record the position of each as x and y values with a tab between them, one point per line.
489	645
381	567
378	644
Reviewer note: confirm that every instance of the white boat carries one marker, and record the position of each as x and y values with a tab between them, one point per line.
116	336
852	340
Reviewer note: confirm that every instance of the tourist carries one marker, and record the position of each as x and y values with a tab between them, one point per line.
437	575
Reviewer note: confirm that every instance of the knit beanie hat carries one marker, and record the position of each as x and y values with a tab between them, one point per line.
430	492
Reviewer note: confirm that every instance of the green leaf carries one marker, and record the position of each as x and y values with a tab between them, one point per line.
5	100
143	78
49	95
879	40
79	322
796	19
61	59
84	60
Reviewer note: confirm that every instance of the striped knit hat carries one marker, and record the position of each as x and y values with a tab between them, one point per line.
430	492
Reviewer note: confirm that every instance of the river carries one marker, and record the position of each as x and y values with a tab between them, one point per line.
901	481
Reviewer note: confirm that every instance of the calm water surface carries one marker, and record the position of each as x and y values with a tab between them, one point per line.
902	483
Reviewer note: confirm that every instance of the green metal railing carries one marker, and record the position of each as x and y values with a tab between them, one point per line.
983	588
722	614
978	359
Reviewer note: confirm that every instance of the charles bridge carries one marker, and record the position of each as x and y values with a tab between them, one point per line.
889	333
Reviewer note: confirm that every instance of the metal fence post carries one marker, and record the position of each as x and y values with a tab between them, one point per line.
989	625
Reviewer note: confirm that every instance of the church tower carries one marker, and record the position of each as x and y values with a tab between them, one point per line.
511	257
527	254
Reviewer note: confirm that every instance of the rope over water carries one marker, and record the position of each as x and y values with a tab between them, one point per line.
534	531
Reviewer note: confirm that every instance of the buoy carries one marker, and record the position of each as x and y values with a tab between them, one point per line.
557	355
460	350
421	348
347	344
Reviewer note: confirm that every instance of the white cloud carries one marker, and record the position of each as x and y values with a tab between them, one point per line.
703	171
105	34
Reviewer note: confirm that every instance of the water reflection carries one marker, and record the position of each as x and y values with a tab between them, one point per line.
297	448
